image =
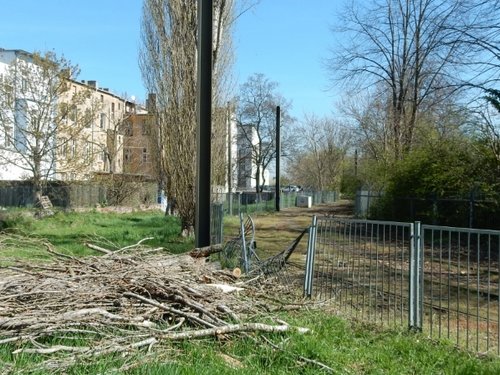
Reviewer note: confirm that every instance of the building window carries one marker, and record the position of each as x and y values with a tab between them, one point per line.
102	123
9	95
128	129
145	128
8	136
87	118
73	113
87	151
145	155
128	155
102	98
64	149
73	148
24	85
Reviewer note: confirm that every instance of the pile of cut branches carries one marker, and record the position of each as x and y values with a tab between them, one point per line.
124	300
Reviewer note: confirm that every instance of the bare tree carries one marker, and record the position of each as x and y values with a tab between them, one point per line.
256	121
324	144
415	53
489	125
44	123
168	64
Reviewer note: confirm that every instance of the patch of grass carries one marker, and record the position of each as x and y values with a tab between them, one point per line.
69	232
346	348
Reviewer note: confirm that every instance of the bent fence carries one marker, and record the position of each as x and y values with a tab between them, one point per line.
441	280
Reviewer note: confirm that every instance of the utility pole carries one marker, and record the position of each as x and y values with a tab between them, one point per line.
278	156
204	120
229	159
356	163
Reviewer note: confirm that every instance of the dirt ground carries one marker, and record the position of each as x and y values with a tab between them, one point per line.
275	232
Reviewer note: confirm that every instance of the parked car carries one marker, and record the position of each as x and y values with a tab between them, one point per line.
291	189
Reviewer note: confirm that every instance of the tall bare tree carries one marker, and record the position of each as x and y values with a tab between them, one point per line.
319	161
42	120
415	53
256	121
168	65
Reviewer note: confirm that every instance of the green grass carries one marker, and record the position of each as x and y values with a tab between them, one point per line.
69	232
346	348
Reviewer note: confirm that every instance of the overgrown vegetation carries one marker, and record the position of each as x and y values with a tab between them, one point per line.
421	106
443	183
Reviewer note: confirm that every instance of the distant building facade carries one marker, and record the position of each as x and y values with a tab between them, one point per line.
96	148
246	166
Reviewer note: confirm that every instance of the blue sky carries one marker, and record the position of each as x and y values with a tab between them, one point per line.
287	40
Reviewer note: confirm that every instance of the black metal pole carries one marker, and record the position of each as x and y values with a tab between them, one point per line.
204	119
278	156
229	160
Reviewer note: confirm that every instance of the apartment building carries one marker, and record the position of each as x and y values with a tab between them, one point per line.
72	132
100	146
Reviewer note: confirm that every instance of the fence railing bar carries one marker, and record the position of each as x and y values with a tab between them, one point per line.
458	291
478	287
377	267
334	257
440	280
346	263
460	229
357	228
320	270
431	291
383	267
449	284
498	303
310	258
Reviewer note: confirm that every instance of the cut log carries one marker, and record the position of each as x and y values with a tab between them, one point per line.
203	252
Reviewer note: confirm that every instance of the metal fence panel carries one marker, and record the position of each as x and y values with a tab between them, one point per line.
216	223
444	281
364	267
461	286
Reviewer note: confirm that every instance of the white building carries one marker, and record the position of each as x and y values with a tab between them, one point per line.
247	168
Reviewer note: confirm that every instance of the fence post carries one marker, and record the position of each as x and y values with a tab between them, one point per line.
311	248
246	264
416	292
239	203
